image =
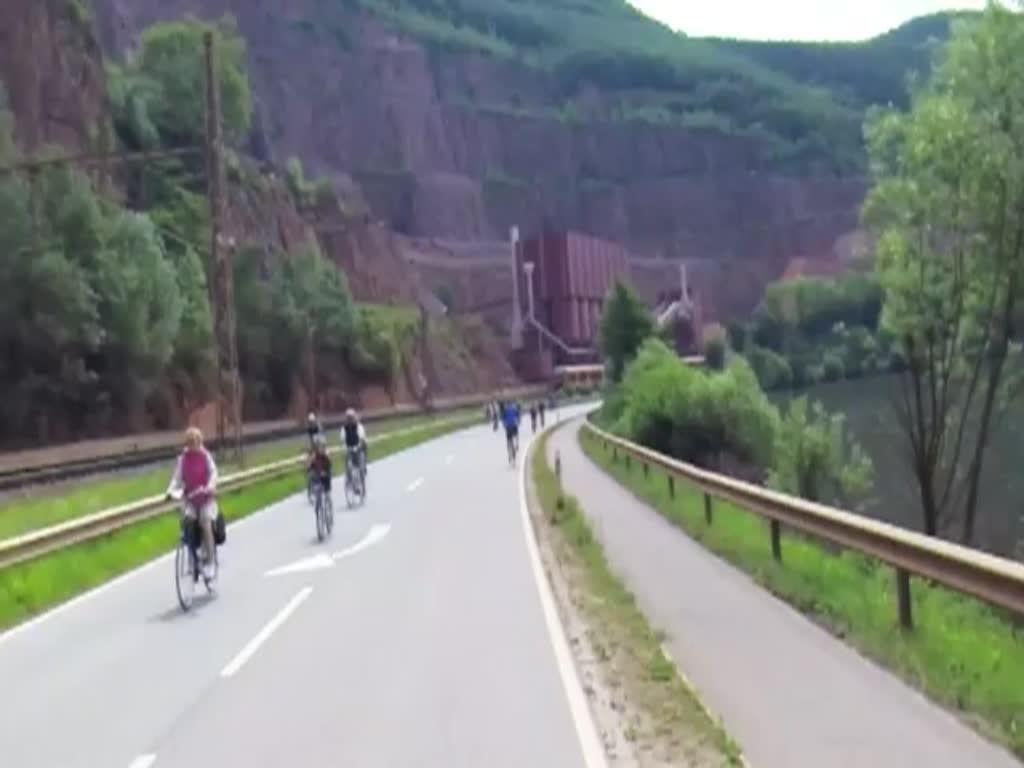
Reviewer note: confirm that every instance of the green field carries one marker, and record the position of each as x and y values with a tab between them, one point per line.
29	588
963	654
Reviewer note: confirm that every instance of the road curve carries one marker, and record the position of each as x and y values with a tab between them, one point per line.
791	694
418	637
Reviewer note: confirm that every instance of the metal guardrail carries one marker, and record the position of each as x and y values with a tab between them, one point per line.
34	474
46	540
994	580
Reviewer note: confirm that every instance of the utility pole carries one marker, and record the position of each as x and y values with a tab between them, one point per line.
222	291
33	189
517	310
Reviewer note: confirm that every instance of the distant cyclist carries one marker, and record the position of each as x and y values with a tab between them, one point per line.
313	429
195	477
353	440
319	464
510	418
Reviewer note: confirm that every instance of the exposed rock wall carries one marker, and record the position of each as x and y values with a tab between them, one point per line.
414	129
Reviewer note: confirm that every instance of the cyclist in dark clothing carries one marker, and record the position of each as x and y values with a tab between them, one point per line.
313	428
353	439
510	418
320	464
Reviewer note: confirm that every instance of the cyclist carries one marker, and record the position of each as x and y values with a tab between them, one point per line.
319	464
510	418
353	440
313	429
195	476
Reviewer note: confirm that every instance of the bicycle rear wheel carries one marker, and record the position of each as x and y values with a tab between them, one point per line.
329	513
185	566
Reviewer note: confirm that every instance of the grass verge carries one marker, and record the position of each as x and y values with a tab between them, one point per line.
29	588
669	724
43	506
962	654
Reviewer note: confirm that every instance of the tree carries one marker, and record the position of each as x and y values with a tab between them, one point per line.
625	325
815	459
166	89
945	208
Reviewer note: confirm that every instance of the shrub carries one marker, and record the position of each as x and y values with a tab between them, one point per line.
715	347
832	366
737	333
691	414
772	370
815	459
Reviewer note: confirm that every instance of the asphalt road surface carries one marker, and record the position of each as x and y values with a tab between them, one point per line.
421	635
791	694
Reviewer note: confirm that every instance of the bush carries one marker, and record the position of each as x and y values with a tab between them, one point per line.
693	415
715	347
815	459
772	370
832	366
737	333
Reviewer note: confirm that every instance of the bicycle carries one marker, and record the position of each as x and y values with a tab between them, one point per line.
187	566
512	441
323	508
355	478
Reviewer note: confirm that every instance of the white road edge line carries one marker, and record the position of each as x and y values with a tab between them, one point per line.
264	634
414	485
592	748
143	761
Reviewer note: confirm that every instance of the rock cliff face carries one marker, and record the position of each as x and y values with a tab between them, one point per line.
52	73
413	128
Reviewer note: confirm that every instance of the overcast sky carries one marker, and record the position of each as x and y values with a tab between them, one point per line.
792	19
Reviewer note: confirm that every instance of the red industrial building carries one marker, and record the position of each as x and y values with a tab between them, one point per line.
572	275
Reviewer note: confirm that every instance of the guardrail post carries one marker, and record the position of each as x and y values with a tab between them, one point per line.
629	463
671	487
903	598
615	454
646	469
776	529
707	508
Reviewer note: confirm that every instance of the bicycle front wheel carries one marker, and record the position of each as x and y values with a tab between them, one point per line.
185	574
321	517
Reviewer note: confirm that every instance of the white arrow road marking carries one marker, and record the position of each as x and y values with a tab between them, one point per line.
375	534
314	563
264	634
414	485
143	761
321	561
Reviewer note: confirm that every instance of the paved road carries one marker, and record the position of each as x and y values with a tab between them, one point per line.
431	645
791	694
